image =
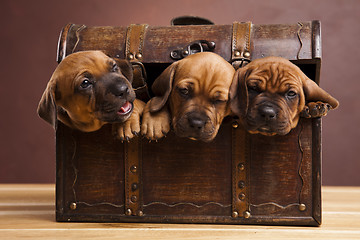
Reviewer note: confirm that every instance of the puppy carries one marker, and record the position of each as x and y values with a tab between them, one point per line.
89	89
270	94
192	96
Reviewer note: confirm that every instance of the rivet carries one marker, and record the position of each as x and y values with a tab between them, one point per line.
247	54
133	168
247	214
241	184
237	53
73	206
302	207
134	187
235	214
186	52
138	55
212	45
235	125
130	56
128	212
133	198
140	213
241	196
241	167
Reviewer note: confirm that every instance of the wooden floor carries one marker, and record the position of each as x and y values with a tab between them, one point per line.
28	211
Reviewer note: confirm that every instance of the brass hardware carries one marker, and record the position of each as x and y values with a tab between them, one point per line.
73	206
138	55
235	125
247	54
235	214
134	198
130	56
192	48
237	53
302	207
241	184
241	167
128	212
133	169
134	187
140	213
247	214
241	196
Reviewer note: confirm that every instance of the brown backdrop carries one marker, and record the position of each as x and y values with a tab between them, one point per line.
29	35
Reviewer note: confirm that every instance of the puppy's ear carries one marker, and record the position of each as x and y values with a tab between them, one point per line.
126	68
314	93
162	87
47	107
238	93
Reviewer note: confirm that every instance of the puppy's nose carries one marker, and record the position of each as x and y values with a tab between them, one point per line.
196	122
120	90
267	113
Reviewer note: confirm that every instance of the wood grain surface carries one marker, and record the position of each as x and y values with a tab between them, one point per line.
28	211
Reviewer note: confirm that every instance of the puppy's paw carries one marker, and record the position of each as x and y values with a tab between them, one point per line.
155	125
315	110
127	130
131	127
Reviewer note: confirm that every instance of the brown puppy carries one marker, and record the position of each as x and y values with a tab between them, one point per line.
89	89
192	95
271	93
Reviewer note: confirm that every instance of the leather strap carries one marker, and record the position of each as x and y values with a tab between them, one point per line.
133	184
240	172
139	83
241	49
135	41
135	36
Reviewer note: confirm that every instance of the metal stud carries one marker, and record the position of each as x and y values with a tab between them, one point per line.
237	53
138	55
140	213
241	184
235	214
235	125
247	214
134	199
242	196
130	56
186	53
133	168
128	212
302	207
247	54
73	206
134	187
241	167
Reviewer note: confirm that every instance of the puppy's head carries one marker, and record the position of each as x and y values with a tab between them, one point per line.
268	95
196	91
87	90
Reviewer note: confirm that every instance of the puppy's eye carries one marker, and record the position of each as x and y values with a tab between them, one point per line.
86	83
218	101
291	94
254	88
115	68
184	91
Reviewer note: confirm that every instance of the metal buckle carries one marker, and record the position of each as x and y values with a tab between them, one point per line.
192	48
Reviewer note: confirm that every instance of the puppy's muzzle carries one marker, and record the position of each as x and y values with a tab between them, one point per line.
120	90
197	121
267	113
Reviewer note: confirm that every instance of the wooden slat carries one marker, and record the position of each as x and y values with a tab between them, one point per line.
28	211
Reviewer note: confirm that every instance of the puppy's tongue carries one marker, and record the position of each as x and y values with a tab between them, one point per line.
125	108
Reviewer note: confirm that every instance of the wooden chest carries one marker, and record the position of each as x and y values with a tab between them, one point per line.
238	178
